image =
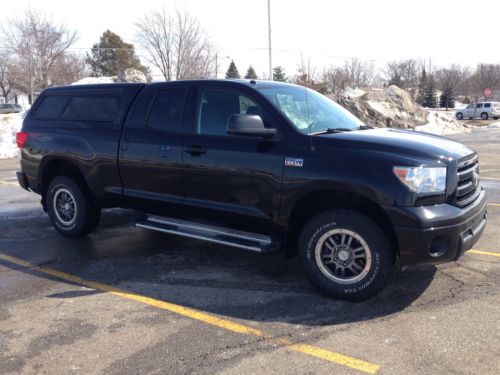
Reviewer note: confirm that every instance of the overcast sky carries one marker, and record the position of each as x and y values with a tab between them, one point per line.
328	31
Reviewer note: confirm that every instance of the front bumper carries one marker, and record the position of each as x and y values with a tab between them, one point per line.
439	233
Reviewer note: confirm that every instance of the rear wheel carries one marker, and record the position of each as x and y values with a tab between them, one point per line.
345	255
70	209
484	116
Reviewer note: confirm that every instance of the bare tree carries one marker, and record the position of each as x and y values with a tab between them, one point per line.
450	80
37	43
354	73
68	69
486	76
404	74
306	72
177	45
7	74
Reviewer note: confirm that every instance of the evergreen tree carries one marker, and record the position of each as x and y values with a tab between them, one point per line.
232	71
447	100
430	94
251	73
421	88
279	74
112	55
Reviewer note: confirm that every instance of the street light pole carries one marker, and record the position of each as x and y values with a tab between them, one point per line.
269	32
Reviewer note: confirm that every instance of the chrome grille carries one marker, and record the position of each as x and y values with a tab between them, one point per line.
468	188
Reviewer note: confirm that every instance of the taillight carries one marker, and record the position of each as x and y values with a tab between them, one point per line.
21	138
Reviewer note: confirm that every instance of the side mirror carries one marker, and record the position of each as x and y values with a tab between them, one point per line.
249	126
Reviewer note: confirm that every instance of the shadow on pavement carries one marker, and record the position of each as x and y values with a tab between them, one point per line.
207	277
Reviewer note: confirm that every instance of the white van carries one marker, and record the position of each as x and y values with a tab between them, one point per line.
484	110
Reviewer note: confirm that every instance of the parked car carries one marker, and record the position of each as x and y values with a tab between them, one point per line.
259	166
483	110
10	108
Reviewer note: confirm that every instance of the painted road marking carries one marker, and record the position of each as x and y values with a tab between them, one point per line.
9	183
494	204
490	178
324	354
481	252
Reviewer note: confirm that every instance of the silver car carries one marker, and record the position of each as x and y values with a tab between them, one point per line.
10	108
483	110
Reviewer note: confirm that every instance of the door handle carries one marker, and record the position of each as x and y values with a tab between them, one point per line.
124	144
196	150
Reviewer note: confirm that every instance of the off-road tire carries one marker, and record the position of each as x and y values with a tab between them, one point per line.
374	276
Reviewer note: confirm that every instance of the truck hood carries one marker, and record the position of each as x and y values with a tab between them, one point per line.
402	142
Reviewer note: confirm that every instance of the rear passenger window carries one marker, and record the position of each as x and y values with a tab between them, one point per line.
51	107
167	109
487	105
102	107
99	107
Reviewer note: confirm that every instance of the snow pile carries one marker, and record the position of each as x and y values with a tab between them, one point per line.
442	122
392	107
495	125
132	75
129	75
352	93
95	80
9	125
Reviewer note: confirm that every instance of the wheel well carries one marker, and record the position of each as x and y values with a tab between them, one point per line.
319	201
60	167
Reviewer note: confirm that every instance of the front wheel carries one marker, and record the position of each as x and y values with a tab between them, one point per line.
459	116
70	209
345	255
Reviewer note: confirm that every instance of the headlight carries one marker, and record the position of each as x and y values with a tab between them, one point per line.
422	179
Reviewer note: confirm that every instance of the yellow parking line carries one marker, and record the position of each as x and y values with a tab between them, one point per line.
9	183
494	204
324	354
481	252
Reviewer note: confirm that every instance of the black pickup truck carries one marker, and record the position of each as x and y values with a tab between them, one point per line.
256	165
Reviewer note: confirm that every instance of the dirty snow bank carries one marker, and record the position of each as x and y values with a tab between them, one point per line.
442	122
9	125
95	80
495	125
391	107
129	75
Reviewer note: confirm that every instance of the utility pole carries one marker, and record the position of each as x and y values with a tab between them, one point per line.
269	32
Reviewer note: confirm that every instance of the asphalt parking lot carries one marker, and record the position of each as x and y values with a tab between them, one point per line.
127	301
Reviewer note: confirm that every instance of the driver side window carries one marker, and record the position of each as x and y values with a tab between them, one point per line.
215	106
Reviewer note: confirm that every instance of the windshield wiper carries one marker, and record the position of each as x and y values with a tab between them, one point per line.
333	131
365	127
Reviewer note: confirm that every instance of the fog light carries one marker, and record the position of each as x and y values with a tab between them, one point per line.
439	246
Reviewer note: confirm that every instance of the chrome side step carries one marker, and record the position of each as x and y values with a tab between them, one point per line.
224	236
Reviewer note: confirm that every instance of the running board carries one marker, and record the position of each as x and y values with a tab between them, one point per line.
230	237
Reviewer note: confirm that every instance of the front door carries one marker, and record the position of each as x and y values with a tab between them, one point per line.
233	181
470	111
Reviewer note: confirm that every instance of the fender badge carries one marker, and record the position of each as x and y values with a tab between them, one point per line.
291	162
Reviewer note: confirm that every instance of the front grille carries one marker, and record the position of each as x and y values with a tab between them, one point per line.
468	188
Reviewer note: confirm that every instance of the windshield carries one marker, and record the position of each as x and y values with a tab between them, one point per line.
309	111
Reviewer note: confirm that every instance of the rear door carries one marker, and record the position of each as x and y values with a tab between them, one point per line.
233	181
151	150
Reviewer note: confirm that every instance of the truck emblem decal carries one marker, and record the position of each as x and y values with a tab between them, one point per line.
291	162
